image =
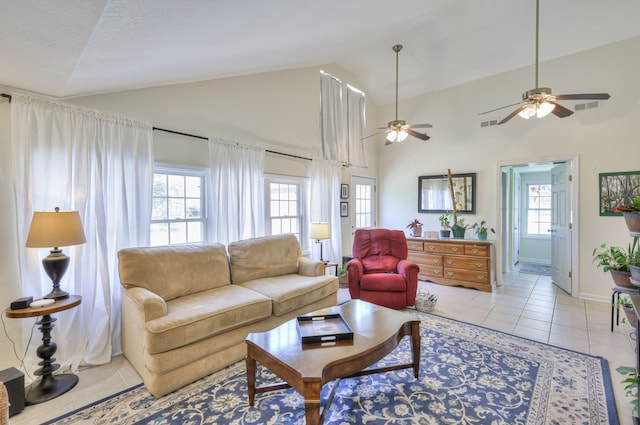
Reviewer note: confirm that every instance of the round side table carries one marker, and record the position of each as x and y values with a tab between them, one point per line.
49	386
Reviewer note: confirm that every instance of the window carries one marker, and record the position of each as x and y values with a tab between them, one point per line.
286	207
364	202
538	209
178	215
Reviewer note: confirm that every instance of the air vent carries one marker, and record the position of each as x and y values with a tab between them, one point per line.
588	105
488	123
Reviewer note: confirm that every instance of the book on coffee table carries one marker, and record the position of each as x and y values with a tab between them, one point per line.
326	328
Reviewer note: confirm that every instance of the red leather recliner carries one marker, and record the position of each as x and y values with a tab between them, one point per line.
379	271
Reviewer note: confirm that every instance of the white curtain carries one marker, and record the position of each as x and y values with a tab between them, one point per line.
102	166
325	204
333	146
236	191
355	127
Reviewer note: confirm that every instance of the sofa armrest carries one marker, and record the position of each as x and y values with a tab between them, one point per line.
310	267
152	305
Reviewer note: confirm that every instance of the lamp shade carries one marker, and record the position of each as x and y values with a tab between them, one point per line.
320	230
55	228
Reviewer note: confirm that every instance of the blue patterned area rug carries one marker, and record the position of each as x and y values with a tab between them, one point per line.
468	375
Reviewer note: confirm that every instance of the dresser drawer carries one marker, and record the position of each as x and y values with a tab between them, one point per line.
426	259
415	246
467	275
467	263
444	248
430	271
478	250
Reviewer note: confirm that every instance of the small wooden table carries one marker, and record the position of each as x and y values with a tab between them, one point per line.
49	386
307	367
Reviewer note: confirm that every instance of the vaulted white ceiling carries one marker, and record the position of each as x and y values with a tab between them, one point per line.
69	48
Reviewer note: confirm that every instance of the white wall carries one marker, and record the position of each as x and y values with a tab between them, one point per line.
603	139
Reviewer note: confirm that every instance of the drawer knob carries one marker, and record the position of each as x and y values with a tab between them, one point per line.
450	273
480	277
431	247
436	271
474	250
454	249
449	261
436	260
479	264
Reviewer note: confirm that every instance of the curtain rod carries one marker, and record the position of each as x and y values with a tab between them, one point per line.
8	96
206	138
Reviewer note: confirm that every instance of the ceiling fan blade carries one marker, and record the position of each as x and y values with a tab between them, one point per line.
418	135
513	114
560	111
585	96
420	126
371	135
502	107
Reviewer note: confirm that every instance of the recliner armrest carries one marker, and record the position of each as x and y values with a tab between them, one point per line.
310	267
152	305
407	268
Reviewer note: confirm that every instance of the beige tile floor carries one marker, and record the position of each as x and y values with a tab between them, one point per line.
525	305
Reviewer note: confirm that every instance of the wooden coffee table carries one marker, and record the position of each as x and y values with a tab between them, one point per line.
307	367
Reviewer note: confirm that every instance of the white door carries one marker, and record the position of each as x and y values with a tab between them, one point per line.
363	200
561	226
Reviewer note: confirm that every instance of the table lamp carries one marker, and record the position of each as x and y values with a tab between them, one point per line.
55	229
320	231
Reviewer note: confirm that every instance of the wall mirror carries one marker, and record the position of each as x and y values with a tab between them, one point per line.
434	195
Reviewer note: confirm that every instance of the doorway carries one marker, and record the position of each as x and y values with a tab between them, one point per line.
536	207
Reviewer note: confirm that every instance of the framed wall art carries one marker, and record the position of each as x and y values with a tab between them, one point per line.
344	209
618	189
344	191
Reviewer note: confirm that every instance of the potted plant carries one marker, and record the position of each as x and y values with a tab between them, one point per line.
457	227
482	230
630	314
416	228
615	260
343	274
633	261
445	223
630	380
631	213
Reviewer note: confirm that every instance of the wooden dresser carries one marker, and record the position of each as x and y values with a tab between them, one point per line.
455	262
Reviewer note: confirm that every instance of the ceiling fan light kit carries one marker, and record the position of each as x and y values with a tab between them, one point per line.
540	102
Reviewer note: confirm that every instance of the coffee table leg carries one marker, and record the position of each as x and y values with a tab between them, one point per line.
415	348
312	402
251	378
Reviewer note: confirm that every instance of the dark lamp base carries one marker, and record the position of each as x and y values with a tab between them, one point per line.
56	294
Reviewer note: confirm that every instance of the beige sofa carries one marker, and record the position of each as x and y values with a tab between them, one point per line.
187	310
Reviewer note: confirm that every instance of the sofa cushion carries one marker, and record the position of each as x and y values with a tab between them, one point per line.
262	257
203	315
291	291
175	271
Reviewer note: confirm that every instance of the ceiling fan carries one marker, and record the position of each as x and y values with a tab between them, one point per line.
398	130
539	102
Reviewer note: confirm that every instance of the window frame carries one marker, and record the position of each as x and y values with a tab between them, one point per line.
303	206
185	171
525	216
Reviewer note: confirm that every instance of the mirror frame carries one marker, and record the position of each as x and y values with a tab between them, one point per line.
424	180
